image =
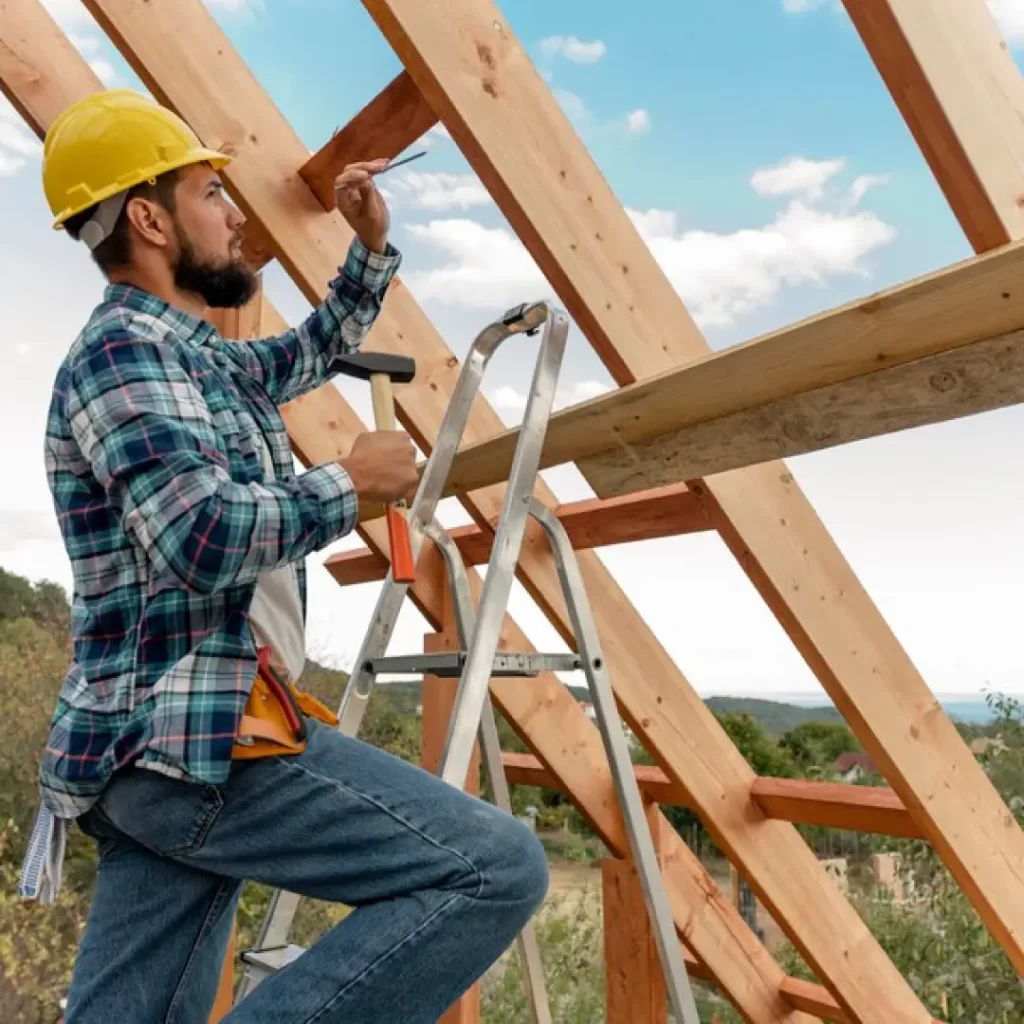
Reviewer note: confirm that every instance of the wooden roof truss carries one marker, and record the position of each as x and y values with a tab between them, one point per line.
688	441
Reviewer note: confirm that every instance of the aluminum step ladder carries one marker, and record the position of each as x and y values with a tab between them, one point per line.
479	660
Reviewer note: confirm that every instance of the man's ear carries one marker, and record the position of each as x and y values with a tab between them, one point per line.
150	220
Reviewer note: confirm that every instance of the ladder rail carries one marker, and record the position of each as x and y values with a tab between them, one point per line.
473	685
490	745
524	319
609	723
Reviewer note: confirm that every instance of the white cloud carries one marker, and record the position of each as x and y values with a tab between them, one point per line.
17	139
574	49
69	14
796	176
860	187
721	276
17	144
573	106
484	268
1009	15
799	6
10	165
511	400
441	190
638	122
104	71
438	134
724	276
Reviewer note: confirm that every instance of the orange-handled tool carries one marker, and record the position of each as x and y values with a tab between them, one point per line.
383	370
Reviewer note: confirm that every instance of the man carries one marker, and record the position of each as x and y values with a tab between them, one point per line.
174	743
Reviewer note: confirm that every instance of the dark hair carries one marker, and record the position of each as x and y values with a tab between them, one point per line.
115	252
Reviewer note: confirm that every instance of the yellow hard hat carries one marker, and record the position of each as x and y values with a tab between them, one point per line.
106	143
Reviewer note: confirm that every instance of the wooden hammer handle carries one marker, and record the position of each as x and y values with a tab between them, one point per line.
403	568
383	401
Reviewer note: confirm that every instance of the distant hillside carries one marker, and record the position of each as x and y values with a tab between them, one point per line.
774	717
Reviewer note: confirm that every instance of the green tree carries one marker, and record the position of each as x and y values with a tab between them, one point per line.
818	744
761	752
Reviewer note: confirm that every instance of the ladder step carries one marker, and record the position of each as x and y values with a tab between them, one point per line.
450	664
264	963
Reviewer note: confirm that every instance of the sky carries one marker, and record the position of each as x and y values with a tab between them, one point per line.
764	164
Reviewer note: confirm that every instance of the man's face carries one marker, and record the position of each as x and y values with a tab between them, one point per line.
208	229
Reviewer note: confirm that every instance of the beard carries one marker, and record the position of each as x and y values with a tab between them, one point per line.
221	284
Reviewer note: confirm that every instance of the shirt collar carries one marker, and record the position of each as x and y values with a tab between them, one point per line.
192	328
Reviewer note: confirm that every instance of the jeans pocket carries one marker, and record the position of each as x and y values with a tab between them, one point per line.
170	816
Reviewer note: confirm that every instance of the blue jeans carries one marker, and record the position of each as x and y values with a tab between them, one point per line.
441	883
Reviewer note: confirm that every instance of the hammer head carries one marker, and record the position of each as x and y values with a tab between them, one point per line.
364	365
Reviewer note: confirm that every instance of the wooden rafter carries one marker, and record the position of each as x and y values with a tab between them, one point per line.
391	122
959	90
800	801
946	345
591	523
192	67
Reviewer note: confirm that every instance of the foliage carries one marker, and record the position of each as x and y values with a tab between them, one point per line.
571	941
44	603
939	944
37	944
761	751
572	951
936	939
815	746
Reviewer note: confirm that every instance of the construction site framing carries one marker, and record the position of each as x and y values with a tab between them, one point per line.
661	464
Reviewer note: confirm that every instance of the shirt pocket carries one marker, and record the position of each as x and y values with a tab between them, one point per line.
235	436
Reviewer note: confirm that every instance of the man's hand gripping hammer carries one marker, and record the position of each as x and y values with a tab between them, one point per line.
382	370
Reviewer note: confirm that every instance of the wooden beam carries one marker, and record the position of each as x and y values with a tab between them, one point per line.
635	991
960	92
391	122
800	801
929	350
34	56
475	74
394	119
954	81
591	523
185	59
836	805
814	999
968	380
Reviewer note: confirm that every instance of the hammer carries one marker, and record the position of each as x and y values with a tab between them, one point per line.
382	370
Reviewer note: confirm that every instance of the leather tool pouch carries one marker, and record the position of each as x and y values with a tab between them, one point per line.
273	722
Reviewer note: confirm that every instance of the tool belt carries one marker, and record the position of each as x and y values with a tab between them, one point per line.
273	722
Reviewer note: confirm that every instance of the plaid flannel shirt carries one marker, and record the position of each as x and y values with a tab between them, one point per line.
153	460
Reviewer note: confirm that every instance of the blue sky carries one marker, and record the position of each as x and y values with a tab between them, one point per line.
765	164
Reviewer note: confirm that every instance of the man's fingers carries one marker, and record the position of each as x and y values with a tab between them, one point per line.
348	197
360	172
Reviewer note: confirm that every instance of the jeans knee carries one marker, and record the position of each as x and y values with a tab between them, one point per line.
517	871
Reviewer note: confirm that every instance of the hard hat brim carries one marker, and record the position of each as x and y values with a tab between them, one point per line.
198	155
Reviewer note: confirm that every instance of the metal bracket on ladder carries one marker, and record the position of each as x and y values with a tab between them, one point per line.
479	660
